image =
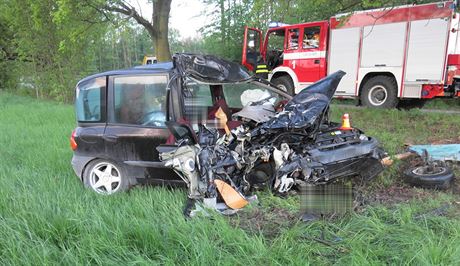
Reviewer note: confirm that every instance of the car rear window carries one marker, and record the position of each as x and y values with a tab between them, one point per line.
89	99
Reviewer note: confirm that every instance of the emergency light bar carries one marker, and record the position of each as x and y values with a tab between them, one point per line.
274	24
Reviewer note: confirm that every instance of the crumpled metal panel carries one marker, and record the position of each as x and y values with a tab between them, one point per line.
210	69
304	109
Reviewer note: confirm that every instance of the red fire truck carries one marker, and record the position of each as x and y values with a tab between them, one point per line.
389	54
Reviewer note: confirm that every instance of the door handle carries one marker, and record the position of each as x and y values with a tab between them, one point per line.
110	138
316	61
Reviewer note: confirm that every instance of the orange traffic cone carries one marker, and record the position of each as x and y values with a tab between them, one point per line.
346	122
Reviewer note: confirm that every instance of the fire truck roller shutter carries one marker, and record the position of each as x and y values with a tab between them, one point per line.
344	55
426	51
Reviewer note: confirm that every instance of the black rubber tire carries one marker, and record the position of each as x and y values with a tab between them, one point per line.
385	83
284	83
435	181
124	184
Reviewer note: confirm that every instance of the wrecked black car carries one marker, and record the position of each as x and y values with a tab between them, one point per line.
275	144
122	116
207	123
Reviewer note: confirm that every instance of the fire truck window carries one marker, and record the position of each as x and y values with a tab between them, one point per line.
310	37
253	45
276	40
275	49
293	39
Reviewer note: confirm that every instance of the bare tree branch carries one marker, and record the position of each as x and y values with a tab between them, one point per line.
132	13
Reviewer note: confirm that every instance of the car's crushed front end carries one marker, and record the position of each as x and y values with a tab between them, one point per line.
296	145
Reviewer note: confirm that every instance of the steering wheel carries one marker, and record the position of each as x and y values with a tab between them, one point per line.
153	118
274	58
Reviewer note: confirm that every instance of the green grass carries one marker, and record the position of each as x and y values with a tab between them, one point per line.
436	103
48	217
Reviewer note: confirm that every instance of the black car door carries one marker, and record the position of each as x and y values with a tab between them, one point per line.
137	112
90	104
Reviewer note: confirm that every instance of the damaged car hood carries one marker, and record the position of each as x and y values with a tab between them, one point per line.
305	109
210	69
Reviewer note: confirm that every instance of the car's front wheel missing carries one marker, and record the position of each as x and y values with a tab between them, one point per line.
105	177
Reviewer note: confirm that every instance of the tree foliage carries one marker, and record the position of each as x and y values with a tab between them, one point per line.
224	34
46	46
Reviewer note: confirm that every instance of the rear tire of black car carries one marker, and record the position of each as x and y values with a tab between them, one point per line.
380	92
284	83
106	177
420	177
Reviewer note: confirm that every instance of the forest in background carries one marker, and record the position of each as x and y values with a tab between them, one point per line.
46	46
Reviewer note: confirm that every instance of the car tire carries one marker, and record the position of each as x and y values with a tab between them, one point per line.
420	177
380	92
284	83
106	177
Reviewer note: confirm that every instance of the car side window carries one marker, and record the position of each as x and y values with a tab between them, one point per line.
197	100
90	99
140	100
198	92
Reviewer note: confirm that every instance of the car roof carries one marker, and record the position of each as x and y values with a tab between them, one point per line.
143	69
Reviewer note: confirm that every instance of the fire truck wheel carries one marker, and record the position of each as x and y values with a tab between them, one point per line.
284	83
381	92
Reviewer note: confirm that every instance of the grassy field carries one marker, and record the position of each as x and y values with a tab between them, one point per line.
48	217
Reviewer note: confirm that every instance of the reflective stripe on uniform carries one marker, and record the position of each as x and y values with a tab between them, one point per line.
262	71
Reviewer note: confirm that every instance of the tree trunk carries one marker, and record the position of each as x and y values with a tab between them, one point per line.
223	27
160	20
157	29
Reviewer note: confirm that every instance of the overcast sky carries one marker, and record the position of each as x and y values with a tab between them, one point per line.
184	16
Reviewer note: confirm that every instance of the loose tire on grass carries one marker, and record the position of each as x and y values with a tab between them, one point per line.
106	177
380	92
422	177
284	83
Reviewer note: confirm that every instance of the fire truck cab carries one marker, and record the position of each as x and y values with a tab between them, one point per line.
389	54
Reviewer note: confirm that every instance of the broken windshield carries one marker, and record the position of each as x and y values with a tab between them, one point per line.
210	69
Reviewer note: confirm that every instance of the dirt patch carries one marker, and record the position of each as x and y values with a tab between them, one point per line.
269	222
435	141
395	194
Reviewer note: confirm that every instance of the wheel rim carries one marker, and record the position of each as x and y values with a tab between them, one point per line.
105	178
282	87
427	170
377	95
